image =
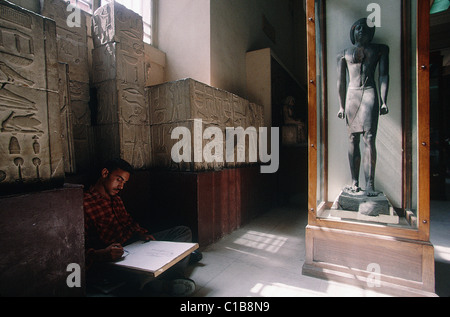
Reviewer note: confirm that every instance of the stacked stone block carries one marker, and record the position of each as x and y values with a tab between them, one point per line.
122	127
179	104
72	47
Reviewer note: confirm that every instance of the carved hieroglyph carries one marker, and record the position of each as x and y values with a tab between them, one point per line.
119	76
72	46
178	103
30	130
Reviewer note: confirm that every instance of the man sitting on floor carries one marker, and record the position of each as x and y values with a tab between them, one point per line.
109	227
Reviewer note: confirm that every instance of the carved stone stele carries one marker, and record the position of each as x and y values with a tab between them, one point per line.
30	131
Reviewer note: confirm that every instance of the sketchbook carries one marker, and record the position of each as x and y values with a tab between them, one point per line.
154	257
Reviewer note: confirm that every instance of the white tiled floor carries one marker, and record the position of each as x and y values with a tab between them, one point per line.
440	238
265	258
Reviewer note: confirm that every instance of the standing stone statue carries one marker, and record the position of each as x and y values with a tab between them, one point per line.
359	102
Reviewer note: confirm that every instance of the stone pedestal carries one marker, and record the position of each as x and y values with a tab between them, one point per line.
361	206
31	150
40	235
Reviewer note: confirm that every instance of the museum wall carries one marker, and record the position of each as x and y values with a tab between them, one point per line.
241	26
207	40
184	35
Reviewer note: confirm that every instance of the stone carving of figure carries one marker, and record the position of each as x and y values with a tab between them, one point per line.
359	103
289	119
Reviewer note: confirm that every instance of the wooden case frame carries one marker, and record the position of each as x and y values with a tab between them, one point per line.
341	250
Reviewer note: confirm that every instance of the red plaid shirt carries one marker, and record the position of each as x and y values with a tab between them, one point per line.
107	221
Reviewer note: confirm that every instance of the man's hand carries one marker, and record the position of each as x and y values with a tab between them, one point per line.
146	237
114	252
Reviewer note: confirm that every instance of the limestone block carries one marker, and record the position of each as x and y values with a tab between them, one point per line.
128	141
132	106
72	50
119	77
180	103
122	116
135	144
169	102
162	145
113	22
118	61
119	102
30	129
189	99
71	40
79	98
104	63
131	63
155	65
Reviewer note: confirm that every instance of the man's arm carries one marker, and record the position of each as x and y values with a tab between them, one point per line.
384	78
111	253
341	83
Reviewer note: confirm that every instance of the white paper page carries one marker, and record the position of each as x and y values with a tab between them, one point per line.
153	255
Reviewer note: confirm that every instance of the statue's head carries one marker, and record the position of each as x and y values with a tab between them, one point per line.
361	32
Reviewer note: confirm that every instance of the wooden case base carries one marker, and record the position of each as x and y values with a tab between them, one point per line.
389	265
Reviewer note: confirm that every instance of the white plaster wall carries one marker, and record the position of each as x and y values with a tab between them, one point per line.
184	35
236	28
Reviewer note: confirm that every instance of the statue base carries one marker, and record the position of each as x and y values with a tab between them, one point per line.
361	206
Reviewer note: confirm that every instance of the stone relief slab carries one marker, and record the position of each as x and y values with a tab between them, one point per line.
30	129
179	103
72	50
71	40
104	63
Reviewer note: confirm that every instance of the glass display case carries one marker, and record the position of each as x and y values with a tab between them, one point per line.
368	195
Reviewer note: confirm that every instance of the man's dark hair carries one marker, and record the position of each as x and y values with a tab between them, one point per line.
118	163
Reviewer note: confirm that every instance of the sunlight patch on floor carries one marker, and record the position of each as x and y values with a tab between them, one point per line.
261	241
282	290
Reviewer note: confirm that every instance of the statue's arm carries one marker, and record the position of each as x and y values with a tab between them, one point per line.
384	78
341	83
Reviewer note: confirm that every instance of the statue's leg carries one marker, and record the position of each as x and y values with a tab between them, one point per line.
370	160
354	157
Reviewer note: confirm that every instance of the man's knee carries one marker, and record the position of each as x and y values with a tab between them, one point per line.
184	234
